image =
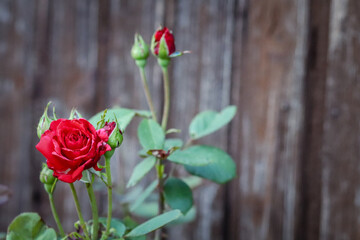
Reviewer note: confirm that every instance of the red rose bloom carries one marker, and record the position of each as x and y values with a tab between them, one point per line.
70	147
169	40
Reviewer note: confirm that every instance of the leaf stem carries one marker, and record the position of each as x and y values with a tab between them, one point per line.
56	216
94	210
109	186
77	204
165	115
160	174
147	92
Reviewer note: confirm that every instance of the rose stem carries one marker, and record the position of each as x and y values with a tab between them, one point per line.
94	211
77	204
167	98
160	167
147	92
109	186
161	201
56	216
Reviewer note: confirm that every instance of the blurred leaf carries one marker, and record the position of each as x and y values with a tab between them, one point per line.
172	142
210	121
131	224
2	236
192	181
154	223
147	210
123	116
141	198
221	168
116	224
4	194
29	226
191	156
140	170
151	135
189	217
178	195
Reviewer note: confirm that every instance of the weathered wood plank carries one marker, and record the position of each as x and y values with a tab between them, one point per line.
308	225
340	206
205	28
16	55
269	145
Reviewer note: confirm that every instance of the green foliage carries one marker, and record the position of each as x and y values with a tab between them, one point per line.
141	198
141	170
172	142
210	121
191	157
29	226
154	223
151	135
117	227
178	195
123	115
131	224
221	168
147	209
189	217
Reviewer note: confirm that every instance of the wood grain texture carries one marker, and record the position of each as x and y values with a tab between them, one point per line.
290	66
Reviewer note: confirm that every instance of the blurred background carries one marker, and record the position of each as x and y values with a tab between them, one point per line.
290	66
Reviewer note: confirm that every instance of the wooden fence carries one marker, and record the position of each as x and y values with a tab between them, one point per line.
291	67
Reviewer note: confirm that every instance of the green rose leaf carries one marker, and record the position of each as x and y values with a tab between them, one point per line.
220	169
178	195
210	121
172	142
29	226
141	170
141	198
123	116
151	135
191	157
147	210
189	217
131	224
154	223
115	224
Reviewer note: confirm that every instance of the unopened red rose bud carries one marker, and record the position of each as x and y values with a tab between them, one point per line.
163	43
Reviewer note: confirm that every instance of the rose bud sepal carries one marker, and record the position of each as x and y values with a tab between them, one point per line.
113	134
74	114
140	51
163	55
48	179
44	123
116	137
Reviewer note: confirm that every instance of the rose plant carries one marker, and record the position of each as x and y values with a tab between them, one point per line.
73	148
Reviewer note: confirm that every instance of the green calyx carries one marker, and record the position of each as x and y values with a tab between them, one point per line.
140	51
75	114
44	123
115	138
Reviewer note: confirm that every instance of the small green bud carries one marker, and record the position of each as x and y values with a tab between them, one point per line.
116	137
140	51
44	123
47	178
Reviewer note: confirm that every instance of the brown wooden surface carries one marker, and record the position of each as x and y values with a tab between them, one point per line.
291	67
